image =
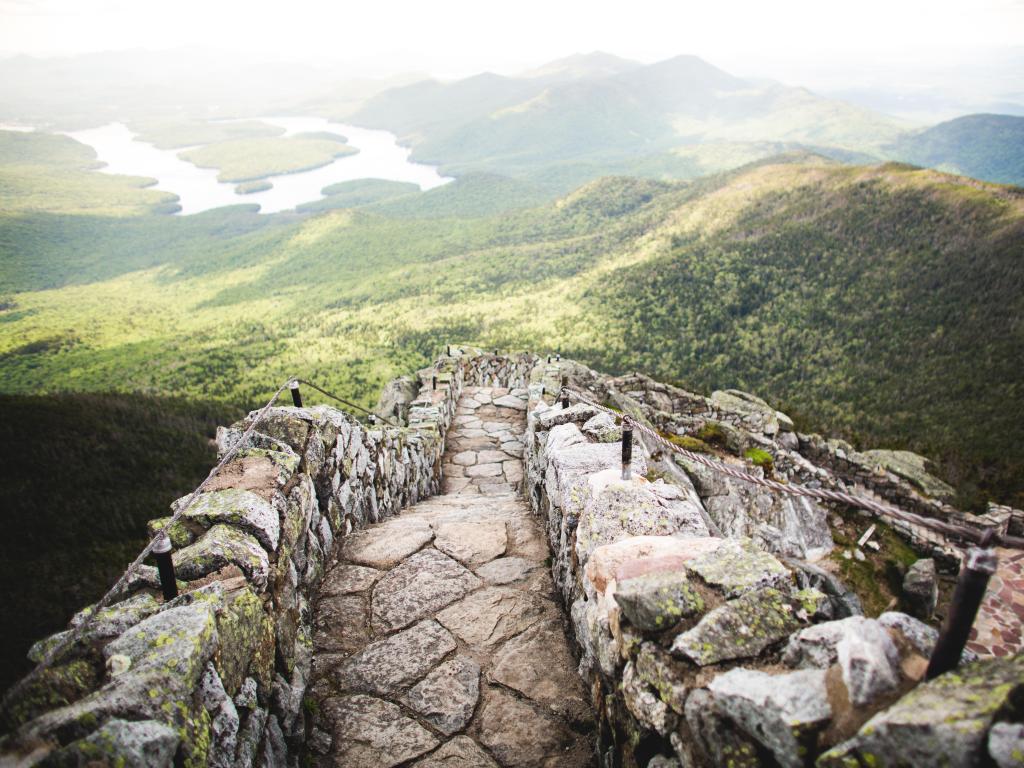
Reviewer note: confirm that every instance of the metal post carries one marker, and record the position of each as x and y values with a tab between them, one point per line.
565	392
549	359
627	449
449	350
434	382
296	397
165	567
970	591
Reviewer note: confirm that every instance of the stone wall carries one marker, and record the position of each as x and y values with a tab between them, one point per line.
217	676
702	651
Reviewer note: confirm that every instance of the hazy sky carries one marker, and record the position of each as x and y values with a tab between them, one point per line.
809	41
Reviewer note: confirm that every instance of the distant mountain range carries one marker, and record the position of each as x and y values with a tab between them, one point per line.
555	127
989	147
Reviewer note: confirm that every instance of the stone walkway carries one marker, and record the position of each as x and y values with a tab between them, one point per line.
437	638
997	629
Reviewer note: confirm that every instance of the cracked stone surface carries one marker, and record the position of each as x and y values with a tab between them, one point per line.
438	641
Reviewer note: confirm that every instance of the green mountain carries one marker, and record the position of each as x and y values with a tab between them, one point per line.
876	302
989	147
575	116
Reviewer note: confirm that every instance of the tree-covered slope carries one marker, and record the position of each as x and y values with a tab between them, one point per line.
81	476
880	302
989	147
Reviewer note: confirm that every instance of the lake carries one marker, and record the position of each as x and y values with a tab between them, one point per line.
380	157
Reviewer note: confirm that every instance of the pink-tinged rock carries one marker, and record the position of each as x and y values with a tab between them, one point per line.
644	554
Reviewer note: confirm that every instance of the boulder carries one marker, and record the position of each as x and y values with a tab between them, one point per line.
752	412
639	555
782	713
395	398
643	703
1006	745
739	629
738	566
220	546
140	744
579	413
240	508
944	721
743	509
921	589
658	601
912	467
617	509
603	429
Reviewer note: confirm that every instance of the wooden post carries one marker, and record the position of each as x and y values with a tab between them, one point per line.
165	567
296	396
970	591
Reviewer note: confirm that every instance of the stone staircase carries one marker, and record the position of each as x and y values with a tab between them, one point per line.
438	640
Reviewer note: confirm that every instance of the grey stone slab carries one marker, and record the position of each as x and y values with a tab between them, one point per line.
492	615
447	696
386	545
460	752
371	733
423	584
471	543
387	666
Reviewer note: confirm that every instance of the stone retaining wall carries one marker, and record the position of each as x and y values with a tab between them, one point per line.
700	651
217	676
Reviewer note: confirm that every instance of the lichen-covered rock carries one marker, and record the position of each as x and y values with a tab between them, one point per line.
739	629
783	713
658	601
603	429
644	704
579	413
224	720
247	641
618	508
141	744
220	546
179	533
660	671
753	413
911	467
944	721
109	623
241	508
793	525
738	566
921	589
1006	745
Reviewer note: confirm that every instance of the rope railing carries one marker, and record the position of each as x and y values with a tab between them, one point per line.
942	527
157	545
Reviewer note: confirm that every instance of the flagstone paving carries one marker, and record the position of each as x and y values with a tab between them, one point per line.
997	629
438	641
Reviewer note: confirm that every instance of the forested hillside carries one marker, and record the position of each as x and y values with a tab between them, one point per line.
82	475
881	302
989	147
